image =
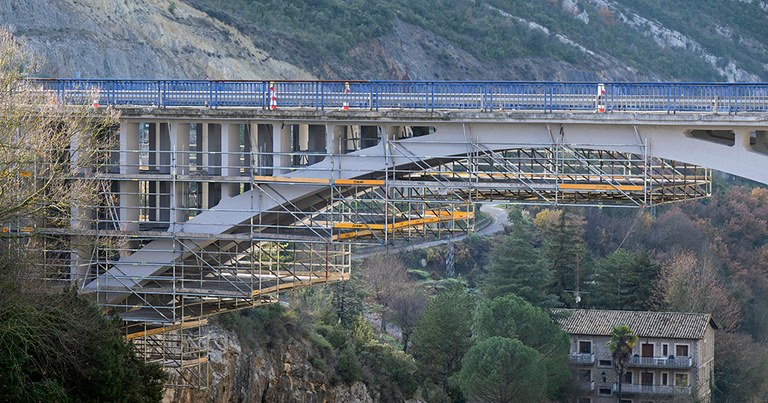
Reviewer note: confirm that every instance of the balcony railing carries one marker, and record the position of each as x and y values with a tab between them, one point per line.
581	358
653	389
588	385
662	362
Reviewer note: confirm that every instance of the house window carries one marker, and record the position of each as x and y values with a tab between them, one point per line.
664	379
585	346
604	391
681	379
585	400
681	350
604	363
628	377
626	401
585	375
665	350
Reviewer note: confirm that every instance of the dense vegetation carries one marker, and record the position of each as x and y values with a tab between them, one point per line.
55	346
499	31
58	346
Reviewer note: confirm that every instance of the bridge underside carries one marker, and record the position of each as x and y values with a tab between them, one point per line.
204	214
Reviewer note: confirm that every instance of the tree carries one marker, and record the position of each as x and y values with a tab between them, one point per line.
443	335
502	370
514	318
624	280
57	346
383	277
407	306
690	284
565	249
623	340
54	345
42	143
517	268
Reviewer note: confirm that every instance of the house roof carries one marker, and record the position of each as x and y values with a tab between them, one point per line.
672	325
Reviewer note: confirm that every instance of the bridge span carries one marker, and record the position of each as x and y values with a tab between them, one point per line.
219	195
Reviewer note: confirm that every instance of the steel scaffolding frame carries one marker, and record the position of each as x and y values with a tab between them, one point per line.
152	192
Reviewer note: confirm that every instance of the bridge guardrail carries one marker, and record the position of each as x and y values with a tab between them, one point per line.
417	95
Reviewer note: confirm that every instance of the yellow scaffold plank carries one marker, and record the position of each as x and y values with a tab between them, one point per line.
283	179
164	329
303	283
586	186
430	218
353	182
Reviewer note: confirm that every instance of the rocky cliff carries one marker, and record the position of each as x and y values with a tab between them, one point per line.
137	39
287	371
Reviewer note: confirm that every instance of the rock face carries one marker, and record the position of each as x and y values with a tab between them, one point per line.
276	373
137	39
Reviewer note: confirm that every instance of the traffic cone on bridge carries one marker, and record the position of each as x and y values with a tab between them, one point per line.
347	91
600	98
96	97
272	96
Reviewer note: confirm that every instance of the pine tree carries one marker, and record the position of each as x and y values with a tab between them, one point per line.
517	266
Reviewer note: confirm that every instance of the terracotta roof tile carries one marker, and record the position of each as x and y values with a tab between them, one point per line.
645	324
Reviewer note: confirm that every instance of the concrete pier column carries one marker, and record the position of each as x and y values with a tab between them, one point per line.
129	165
129	205
180	144
153	146
179	138
230	159
281	143
164	152
742	138
129	148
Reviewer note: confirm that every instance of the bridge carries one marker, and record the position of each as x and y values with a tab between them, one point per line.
221	194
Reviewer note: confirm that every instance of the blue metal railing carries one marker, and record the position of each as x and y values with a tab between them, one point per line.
417	95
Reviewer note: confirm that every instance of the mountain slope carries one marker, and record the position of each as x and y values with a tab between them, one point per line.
510	39
137	39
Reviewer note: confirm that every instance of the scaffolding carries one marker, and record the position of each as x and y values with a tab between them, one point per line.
195	218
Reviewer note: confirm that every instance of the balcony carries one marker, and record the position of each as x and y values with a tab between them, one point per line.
581	358
662	362
652	389
587	386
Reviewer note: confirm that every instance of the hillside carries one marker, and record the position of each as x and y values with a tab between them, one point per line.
510	39
630	40
137	39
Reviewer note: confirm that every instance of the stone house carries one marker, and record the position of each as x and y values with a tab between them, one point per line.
673	360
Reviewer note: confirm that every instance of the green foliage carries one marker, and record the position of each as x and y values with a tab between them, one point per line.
623	340
443	335
565	250
268	325
388	371
347	301
59	347
623	280
740	368
516	266
514	318
499	369
328	27
348	368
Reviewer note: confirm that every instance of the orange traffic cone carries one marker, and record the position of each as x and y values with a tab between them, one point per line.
95	102
272	96
347	91
601	98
